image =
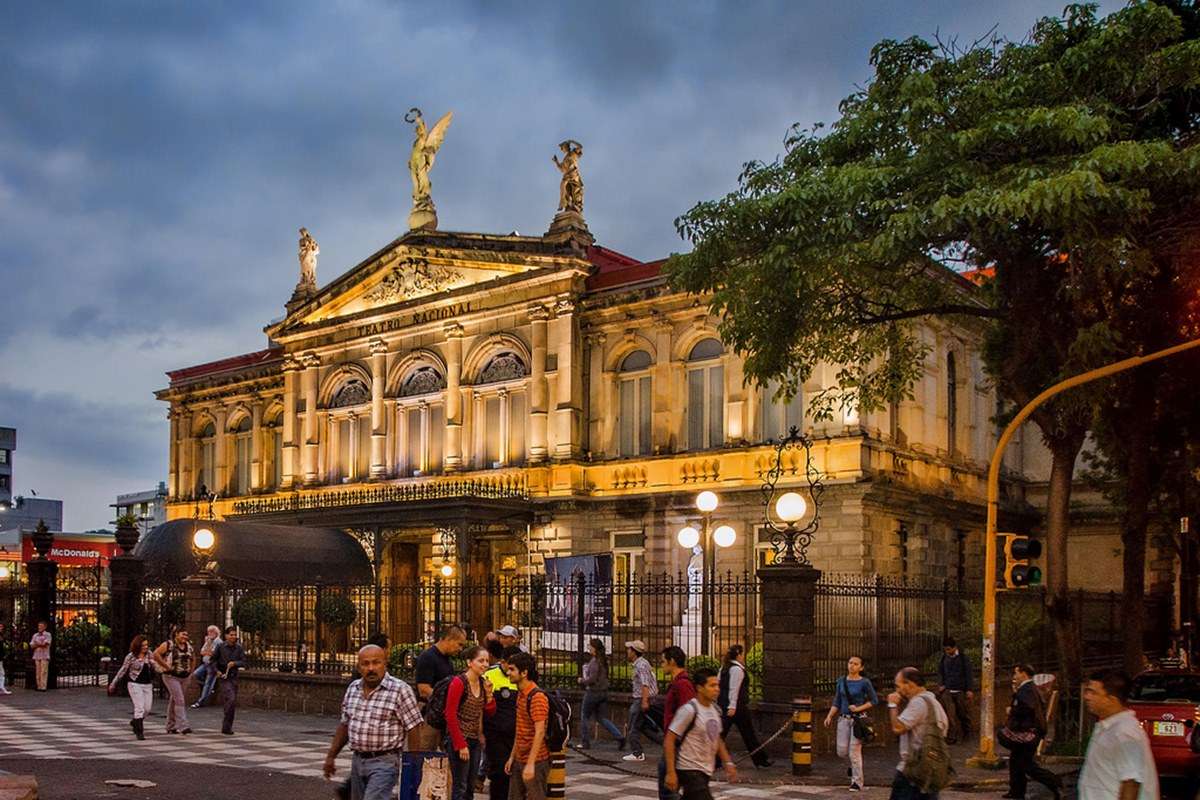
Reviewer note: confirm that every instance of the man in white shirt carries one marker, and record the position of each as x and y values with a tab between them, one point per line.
910	725
694	741
1119	764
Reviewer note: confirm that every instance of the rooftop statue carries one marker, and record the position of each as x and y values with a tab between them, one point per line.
570	190
309	250
426	144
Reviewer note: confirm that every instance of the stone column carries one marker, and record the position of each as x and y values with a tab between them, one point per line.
256	446
569	383
173	455
453	454
42	595
291	450
599	413
312	441
126	573
378	419
202	606
221	457
187	452
538	411
789	631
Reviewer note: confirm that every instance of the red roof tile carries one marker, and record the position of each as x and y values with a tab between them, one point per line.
226	364
618	269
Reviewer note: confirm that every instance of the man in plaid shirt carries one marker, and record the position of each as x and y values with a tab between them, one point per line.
378	711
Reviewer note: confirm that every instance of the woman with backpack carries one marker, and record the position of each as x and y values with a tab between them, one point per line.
734	702
467	699
595	697
175	659
852	699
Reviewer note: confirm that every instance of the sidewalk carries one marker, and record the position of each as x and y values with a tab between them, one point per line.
879	767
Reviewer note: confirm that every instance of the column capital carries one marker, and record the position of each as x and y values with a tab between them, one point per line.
564	306
291	364
595	338
310	360
453	330
378	347
539	313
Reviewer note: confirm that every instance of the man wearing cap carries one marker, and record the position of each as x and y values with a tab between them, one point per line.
511	637
644	686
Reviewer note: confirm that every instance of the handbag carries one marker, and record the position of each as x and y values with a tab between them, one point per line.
863	730
1009	738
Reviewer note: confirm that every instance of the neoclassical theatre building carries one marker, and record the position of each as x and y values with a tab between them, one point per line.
545	395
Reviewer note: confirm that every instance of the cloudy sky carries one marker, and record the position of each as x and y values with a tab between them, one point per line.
156	160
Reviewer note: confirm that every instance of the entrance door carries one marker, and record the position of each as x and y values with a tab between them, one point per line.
405	593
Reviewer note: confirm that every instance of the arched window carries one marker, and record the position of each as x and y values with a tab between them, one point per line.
206	476
350	431
239	481
421	422
501	413
706	395
777	417
635	404
951	404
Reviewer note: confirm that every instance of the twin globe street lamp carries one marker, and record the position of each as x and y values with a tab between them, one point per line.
690	537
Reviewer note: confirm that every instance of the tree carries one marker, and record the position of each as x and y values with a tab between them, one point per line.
256	616
1042	162
337	613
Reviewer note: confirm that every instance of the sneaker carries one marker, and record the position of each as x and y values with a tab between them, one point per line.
634	757
5	691
854	787
194	705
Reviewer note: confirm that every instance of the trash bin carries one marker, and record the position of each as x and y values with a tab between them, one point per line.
413	772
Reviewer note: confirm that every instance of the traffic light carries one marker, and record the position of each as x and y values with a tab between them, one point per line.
1019	549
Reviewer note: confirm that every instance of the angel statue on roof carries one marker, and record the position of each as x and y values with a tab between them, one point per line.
426	144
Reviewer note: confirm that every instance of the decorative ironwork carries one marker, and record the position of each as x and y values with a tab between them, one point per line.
514	488
789	542
504	367
425	380
352	393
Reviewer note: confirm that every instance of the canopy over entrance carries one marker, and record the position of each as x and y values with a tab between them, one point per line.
250	552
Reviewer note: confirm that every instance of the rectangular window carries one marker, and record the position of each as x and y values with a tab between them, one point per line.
491	432
277	458
628	413
412	454
208	470
516	428
344	435
696	409
635	416
902	538
437	436
363	462
645	416
716	407
628	556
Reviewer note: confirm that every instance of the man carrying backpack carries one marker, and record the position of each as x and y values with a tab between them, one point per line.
694	741
529	762
924	767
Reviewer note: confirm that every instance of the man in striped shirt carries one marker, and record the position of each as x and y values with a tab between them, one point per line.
378	711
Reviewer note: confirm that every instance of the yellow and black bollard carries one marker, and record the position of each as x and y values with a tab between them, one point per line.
802	735
556	783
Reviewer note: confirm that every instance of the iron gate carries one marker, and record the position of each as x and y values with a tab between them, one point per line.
81	635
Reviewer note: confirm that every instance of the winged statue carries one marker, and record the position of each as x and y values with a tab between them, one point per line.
426	144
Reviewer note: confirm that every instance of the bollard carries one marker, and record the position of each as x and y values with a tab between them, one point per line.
801	735
556	782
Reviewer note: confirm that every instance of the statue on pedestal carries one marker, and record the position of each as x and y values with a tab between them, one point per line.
695	576
309	249
426	144
570	190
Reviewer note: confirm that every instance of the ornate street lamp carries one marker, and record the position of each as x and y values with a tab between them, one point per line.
449	544
689	537
203	539
789	541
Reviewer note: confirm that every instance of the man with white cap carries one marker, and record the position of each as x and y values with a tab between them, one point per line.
644	686
511	637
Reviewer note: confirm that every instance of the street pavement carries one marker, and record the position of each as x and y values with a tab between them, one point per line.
73	740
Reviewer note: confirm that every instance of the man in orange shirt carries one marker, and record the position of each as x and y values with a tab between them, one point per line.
529	747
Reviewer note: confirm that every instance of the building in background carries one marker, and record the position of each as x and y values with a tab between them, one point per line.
18	512
149	508
8	443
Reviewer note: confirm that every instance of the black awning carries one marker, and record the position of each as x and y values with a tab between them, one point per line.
250	552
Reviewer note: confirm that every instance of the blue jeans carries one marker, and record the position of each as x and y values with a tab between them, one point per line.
464	772
374	778
663	792
210	680
632	735
595	709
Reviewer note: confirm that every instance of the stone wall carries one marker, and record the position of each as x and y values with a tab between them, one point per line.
282	691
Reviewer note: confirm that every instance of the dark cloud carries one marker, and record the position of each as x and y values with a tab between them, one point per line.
157	159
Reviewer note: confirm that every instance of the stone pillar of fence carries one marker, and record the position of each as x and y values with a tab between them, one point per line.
42	596
202	605
788	631
126	575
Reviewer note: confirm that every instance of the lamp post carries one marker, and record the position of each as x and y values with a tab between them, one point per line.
722	536
790	541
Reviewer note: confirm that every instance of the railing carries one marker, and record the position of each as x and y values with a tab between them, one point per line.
503	487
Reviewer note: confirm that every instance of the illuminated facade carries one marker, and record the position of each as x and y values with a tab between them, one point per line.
546	396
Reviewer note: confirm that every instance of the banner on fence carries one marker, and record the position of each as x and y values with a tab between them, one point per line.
563	600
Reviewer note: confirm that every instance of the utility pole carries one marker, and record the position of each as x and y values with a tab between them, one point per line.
986	757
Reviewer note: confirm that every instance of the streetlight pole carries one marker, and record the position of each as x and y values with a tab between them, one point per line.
986	756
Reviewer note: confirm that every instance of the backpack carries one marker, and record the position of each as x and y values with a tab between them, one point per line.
928	767
558	721
435	708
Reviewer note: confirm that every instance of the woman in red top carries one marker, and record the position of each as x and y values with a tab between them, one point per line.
468	698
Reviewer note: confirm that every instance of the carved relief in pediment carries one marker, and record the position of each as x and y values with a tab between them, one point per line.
412	277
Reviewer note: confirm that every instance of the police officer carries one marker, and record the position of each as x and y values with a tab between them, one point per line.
500	727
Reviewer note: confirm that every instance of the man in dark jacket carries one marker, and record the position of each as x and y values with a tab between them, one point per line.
1027	721
954	674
